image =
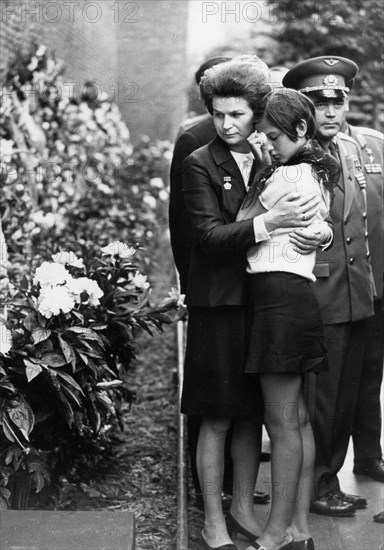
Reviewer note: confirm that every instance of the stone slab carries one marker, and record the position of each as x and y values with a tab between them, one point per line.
45	530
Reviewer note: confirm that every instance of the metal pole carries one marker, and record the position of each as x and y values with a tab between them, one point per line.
182	508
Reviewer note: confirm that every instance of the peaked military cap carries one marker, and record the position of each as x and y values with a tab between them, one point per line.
328	76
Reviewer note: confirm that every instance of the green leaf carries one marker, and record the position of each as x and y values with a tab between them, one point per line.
68	351
40	334
71	394
7	386
53	360
70	380
99	326
31	370
110	384
40	475
86	333
12	433
23	417
53	379
30	322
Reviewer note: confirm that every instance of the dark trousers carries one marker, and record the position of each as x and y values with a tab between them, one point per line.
366	432
332	398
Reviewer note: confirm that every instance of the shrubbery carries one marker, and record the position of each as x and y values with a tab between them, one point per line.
80	209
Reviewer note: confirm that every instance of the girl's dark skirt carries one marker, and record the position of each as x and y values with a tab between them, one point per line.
214	381
286	334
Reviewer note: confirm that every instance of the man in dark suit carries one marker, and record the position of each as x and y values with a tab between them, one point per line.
181	230
344	284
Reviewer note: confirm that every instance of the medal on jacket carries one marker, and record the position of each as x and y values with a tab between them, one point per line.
372	167
356	162
361	180
227	183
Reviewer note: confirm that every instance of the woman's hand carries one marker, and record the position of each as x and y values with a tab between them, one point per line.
259	147
306	240
292	210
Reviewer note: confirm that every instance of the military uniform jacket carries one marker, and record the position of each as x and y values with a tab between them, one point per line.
344	276
214	190
371	143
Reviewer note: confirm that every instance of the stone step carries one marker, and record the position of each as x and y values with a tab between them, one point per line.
45	530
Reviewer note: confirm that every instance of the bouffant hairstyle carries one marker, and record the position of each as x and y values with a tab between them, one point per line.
286	108
236	78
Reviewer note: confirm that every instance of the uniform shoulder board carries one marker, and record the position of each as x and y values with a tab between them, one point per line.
369	132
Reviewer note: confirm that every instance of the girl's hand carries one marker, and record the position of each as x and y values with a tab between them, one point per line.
259	147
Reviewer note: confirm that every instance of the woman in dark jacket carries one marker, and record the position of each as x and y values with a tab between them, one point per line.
216	177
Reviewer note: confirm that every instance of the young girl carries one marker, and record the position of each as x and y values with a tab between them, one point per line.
286	338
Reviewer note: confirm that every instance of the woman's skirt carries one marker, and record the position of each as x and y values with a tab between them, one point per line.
214	381
286	332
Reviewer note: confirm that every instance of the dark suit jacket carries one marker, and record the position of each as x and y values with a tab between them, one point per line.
213	192
343	287
371	144
180	226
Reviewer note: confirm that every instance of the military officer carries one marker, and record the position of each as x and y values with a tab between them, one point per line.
344	286
366	432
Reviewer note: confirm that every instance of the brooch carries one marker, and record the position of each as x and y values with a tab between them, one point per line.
227	183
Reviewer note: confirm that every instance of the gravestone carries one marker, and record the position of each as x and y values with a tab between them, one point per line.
45	530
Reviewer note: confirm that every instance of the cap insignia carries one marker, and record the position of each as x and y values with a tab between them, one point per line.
330	61
330	80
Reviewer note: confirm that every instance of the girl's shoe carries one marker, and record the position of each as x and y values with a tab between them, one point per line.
222	547
306	544
234	526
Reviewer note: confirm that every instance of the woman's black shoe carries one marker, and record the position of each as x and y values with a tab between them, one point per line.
287	546
234	526
379	518
306	544
222	547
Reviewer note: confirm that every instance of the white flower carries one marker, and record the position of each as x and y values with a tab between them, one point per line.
41	50
163	195
118	248
140	281
83	284
174	298
149	201
47	221
135	189
104	188
51	274
175	295
5	339
6	149
53	300
69	258
33	64
156	182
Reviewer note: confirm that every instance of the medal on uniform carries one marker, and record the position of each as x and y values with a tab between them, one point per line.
227	183
372	167
361	180
356	162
